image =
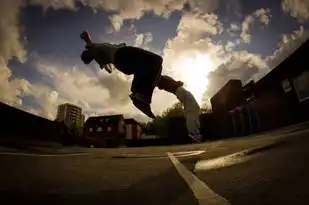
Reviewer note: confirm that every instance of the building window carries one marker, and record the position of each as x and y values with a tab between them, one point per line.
301	84
90	129
109	129
286	85
99	129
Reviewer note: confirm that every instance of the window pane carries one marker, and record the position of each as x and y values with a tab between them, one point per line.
302	86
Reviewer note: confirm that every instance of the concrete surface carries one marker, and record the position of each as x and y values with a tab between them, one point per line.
273	171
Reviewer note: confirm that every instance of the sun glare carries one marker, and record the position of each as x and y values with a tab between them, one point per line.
194	72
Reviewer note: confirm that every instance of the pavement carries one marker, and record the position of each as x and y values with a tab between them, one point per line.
271	168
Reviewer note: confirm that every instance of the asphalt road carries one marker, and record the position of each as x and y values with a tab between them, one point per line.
273	170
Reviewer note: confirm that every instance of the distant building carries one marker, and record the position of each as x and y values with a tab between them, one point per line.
105	131
225	101
133	129
82	121
279	99
70	114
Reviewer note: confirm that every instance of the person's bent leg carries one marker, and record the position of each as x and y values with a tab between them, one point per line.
191	107
168	84
192	112
143	83
144	65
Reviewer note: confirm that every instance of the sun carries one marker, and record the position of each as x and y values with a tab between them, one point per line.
193	71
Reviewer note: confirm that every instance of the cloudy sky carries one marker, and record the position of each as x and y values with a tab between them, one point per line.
203	42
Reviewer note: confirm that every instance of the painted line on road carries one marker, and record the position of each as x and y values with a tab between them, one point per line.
201	191
235	158
160	156
43	155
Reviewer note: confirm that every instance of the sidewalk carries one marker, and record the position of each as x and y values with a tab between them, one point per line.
278	131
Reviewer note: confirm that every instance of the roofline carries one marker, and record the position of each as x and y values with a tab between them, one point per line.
93	117
70	105
284	61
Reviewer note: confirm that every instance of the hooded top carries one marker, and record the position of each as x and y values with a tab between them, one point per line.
104	53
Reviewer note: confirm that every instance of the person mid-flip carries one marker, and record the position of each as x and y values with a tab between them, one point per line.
146	67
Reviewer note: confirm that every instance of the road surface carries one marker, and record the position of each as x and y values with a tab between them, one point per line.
265	169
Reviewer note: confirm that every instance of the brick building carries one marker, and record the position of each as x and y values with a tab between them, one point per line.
133	129
105	131
71	115
278	99
224	104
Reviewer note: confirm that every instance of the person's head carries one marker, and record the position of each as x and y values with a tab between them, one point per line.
86	57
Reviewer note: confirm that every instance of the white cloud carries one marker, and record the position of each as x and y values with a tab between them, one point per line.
198	24
297	8
101	93
135	9
249	66
240	65
11	90
143	39
124	9
55	4
229	45
234	27
262	15
117	22
245	34
190	36
191	55
104	92
289	43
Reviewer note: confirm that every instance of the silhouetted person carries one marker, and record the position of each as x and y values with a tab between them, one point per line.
146	67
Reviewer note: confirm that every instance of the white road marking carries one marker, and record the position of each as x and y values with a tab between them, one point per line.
224	161
160	156
187	153
43	155
201	191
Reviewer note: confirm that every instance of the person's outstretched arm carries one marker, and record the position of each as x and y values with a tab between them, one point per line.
85	35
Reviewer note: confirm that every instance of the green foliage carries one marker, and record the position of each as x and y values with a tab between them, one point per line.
175	111
159	125
204	110
147	127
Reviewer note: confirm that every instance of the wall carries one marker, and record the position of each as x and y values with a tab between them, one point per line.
18	124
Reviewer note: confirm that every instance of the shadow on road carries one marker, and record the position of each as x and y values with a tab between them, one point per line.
166	188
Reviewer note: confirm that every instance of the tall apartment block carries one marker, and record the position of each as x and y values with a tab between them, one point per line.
71	115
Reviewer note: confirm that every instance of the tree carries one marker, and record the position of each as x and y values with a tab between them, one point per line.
205	110
147	127
175	111
159	125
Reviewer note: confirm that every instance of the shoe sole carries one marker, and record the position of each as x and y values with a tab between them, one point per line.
143	107
195	139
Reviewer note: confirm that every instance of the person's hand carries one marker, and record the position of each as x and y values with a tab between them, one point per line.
107	68
85	35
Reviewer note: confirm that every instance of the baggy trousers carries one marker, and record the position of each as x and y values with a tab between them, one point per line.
145	66
192	111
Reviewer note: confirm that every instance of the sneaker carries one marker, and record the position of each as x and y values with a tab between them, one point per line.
196	138
142	106
139	97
